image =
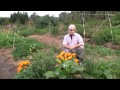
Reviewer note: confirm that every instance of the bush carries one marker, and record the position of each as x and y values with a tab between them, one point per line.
116	39
88	31
102	70
8	39
26	32
41	62
21	50
40	31
55	31
116	19
30	31
102	36
46	21
26	48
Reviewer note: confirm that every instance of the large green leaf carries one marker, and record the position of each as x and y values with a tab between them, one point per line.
50	74
108	74
87	76
62	76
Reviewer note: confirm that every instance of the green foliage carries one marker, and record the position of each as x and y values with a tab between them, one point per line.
105	35
34	17
4	21
27	47
102	36
25	31
43	66
100	50
102	70
21	50
116	39
64	70
19	18
80	30
41	62
116	19
46	22
40	31
41	23
55	31
54	48
116	35
8	39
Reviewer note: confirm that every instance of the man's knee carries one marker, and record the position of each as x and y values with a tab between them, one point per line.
80	53
79	50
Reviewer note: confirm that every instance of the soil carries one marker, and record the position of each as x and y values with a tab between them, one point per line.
49	39
8	65
112	46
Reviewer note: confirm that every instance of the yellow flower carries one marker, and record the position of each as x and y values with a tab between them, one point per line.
62	53
66	58
76	60
59	61
70	57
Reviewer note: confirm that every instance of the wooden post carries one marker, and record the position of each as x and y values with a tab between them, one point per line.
83	25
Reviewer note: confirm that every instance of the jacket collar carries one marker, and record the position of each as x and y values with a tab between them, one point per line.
72	35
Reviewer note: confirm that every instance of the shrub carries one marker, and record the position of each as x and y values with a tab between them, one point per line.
54	31
27	47
102	36
41	62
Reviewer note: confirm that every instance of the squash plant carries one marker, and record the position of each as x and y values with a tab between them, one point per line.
67	65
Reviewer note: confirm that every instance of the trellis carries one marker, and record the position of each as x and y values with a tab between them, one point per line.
107	14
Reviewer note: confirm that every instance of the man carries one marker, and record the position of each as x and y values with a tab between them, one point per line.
73	42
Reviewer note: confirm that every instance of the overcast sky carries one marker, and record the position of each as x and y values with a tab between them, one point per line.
40	13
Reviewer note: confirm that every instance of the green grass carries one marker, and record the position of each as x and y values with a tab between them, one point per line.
101	70
100	53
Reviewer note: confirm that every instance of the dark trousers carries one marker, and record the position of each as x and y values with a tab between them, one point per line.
79	53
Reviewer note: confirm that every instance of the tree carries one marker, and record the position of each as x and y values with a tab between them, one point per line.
34	17
20	18
46	21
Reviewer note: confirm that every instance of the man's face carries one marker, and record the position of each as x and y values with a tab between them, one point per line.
71	31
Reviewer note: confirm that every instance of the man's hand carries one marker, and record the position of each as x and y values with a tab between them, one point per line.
72	47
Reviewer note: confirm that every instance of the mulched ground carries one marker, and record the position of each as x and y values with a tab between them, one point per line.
8	65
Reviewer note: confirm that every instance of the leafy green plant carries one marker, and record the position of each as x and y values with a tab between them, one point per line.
21	50
42	61
88	31
55	31
27	47
102	36
116	19
7	39
101	70
65	70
